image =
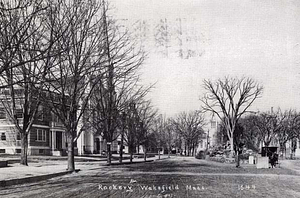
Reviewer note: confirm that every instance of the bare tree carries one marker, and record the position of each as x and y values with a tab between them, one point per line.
164	131
289	129
146	116
269	124
229	99
119	87
130	135
77	69
26	57
158	131
169	135
21	22
189	126
267	127
278	126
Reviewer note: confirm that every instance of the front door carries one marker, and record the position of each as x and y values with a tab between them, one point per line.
97	145
58	140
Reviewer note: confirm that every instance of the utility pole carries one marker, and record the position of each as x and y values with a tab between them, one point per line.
122	136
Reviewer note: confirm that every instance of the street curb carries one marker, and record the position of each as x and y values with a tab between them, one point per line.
128	163
10	182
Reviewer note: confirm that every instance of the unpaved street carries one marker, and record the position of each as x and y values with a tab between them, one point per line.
176	177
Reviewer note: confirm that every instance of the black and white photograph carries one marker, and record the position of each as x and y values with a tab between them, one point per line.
149	98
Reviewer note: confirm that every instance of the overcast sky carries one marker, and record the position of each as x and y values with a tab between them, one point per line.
254	38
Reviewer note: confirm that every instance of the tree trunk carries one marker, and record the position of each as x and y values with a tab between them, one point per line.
145	153
284	152
237	159
109	153
231	147
131	155
121	148
24	148
71	160
159	153
291	151
193	149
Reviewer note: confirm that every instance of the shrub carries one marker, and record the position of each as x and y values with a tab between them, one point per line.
200	155
218	159
244	156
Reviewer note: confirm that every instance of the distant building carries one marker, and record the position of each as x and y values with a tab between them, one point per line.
90	143
46	137
209	139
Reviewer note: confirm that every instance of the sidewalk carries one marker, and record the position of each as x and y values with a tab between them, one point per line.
41	170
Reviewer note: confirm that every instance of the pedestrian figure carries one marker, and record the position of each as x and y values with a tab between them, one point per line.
273	159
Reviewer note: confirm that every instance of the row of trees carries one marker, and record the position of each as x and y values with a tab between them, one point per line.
136	129
230	98
265	129
72	57
182	132
277	127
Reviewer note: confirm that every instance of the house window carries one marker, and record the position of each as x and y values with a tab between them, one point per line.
41	135
18	136
3	136
2	113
